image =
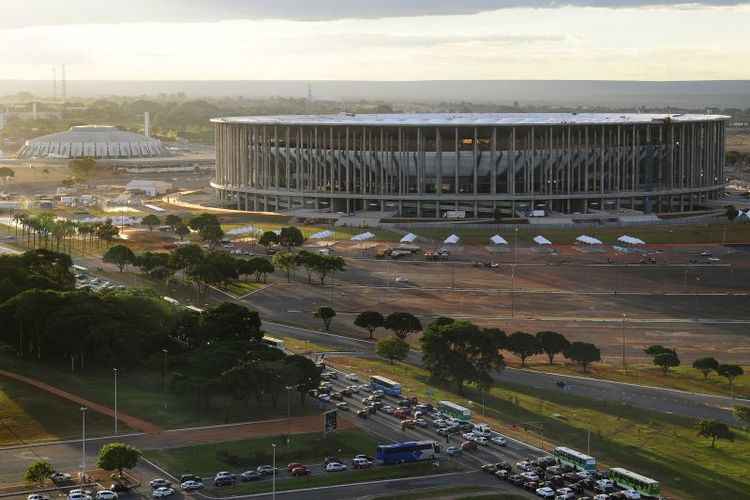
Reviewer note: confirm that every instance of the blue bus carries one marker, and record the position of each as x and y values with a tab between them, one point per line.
386	385
411	451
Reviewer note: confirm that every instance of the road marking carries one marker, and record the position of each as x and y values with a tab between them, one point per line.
70	441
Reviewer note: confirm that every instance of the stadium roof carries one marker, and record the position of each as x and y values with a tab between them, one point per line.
97	141
470	119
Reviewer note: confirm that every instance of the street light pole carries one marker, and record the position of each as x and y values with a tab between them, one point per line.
164	377
115	372
83	444
273	495
623	339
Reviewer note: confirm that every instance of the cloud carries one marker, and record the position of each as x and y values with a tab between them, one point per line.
57	12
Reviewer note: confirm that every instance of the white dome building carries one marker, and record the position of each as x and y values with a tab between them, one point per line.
93	141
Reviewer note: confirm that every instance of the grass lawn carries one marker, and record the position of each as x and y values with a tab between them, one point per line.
140	395
449	492
28	415
207	459
660	446
240	288
685	378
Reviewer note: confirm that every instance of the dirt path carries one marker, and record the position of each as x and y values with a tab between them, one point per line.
130	421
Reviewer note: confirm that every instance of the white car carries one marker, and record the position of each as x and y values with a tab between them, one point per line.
402	279
343	406
388	409
162	492
352	376
421	422
106	495
631	495
325	398
78	495
365	388
499	440
530	476
335	467
481	440
565	494
378	393
60	477
604	485
545	492
159	483
469	436
191	485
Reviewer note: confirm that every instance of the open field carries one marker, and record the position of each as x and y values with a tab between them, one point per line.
29	415
456	492
140	395
661	446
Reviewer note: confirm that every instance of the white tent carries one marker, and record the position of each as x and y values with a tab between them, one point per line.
321	235
498	240
630	240
541	240
242	230
451	240
588	240
408	238
363	237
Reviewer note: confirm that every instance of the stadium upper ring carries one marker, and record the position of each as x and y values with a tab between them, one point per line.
474	164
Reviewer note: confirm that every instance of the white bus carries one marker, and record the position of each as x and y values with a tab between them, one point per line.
388	386
456	411
273	342
634	481
574	458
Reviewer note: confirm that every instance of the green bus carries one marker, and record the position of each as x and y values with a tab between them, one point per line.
574	458
631	480
456	411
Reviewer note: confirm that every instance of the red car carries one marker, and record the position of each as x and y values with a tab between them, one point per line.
292	466
469	446
300	470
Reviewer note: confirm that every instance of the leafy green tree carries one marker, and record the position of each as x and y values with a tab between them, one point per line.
392	349
211	234
203	220
291	237
715	430
743	414
460	352
326	314
402	324
267	239
262	267
326	265
187	257
181	229
705	366
118	456
150	221
730	372
655	350
369	320
583	353
148	261
107	231
731	212
667	360
6	173
305	374
172	220
552	343
286	261
39	472
120	255
524	345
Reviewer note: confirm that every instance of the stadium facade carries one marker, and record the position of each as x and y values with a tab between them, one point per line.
93	141
477	165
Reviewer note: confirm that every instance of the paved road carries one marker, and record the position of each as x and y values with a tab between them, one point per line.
649	398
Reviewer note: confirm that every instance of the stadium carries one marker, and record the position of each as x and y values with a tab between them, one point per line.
432	166
92	141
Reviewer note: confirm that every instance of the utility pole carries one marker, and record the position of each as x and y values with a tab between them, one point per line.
83	444
273	495
115	373
623	339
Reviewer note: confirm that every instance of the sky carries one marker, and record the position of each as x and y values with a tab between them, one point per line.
375	39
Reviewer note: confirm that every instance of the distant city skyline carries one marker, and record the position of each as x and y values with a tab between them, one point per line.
480	39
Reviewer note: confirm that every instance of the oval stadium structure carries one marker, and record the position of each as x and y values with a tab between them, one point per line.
92	141
477	165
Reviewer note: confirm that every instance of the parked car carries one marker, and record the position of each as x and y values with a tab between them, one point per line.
265	470
499	440
119	488
361	463
162	492
481	440
545	492
159	483
335	467
190	477
37	496
250	475
191	485
469	436
61	478
565	494
469	446
106	495
452	451
224	481
300	470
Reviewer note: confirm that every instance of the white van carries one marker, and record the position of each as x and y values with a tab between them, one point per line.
483	430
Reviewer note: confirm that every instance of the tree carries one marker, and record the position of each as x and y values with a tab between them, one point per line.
743	414
203	220
402	324
459	352
291	237
552	343
118	456
6	173
327	264
705	366
172	220
715	430
211	234
267	239
731	213
181	229
150	221
286	261
730	372
326	314
655	350
39	472
667	360
583	353
369	320
230	321
392	349
186	257
524	345
262	268
148	261
120	255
